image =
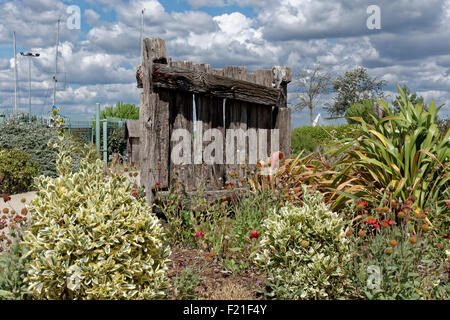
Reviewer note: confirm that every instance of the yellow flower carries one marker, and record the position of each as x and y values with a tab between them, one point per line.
305	243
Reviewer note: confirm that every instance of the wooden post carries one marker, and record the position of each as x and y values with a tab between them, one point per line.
282	115
154	120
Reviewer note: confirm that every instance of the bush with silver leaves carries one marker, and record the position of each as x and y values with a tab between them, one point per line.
90	238
304	251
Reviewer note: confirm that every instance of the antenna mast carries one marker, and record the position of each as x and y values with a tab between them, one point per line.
15	73
142	28
56	65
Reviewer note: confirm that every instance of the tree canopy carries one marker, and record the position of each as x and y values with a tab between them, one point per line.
121	110
356	85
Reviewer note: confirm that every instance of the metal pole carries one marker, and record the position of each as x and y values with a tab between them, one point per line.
56	65
142	29
15	74
29	88
97	127
105	141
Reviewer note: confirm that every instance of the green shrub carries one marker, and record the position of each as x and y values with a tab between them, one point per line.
17	171
13	272
33	139
91	238
363	109
305	251
311	139
116	141
184	285
386	264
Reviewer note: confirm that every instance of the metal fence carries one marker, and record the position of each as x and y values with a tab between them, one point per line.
84	130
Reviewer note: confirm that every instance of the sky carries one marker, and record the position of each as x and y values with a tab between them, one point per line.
97	61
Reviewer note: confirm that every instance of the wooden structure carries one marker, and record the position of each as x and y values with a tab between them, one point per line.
132	134
180	94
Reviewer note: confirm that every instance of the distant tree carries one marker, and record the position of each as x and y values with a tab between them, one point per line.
414	98
121	110
312	85
356	85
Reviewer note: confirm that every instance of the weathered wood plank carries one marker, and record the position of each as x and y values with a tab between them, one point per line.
181	111
175	77
283	124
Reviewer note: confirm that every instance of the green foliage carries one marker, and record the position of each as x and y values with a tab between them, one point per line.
122	111
356	85
33	139
13	272
403	152
184	285
92	239
363	109
305	251
116	141
414	98
17	171
381	269
311	139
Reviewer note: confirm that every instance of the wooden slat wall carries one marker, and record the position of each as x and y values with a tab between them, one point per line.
164	110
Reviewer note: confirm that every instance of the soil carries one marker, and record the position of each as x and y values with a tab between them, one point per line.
215	281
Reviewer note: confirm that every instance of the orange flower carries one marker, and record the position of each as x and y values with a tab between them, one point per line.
425	227
401	214
393	243
349	233
389	250
5	210
413	240
361	233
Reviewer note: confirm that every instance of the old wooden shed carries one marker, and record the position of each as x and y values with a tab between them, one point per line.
194	99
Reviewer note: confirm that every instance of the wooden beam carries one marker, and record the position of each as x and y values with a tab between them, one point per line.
173	77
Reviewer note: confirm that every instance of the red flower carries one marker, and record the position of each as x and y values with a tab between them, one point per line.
6	197
376	226
134	193
24	211
158	184
18	218
447	203
199	234
254	234
361	205
371	221
406	208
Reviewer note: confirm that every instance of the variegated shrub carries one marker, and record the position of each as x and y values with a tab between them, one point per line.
304	251
92	239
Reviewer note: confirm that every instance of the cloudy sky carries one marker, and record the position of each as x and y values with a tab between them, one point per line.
97	62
